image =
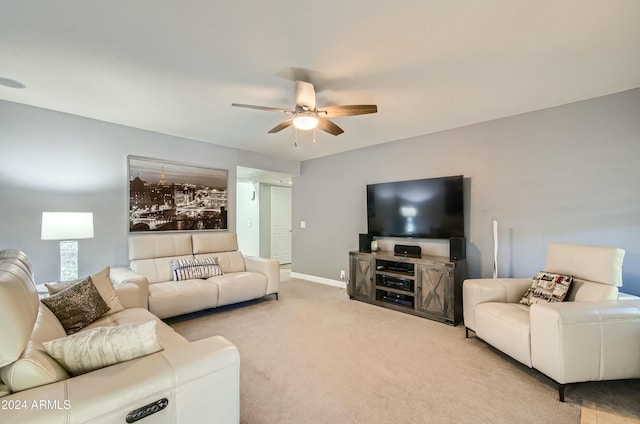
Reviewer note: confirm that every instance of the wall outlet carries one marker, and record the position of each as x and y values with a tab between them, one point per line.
343	274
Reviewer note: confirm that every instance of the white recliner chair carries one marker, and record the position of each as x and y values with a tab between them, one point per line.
591	336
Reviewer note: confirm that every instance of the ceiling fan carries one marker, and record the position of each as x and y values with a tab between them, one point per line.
306	116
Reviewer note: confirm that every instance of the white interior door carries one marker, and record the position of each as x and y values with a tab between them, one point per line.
281	224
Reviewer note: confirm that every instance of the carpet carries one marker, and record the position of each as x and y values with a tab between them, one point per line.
315	356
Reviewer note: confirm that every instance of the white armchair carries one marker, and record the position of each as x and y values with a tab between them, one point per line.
591	336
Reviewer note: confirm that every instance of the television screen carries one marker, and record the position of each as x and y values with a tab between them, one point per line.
429	208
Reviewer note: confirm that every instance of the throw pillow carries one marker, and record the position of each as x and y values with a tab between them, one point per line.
77	306
186	269
103	284
547	287
98	348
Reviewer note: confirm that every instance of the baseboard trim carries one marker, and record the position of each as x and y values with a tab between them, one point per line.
321	280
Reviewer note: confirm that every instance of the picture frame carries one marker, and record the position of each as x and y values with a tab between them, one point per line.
173	196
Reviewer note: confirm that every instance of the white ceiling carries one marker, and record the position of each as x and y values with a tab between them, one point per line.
175	67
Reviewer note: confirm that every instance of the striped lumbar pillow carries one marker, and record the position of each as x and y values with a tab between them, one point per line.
186	269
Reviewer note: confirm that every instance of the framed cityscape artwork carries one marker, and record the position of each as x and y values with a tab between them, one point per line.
169	196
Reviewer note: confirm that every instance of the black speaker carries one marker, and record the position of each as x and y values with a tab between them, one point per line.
406	250
457	248
365	242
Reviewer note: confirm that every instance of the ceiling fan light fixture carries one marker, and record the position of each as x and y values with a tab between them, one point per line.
305	122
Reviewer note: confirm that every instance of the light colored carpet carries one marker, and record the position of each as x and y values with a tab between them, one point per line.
315	356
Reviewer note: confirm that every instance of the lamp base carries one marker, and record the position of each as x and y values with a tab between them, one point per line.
68	260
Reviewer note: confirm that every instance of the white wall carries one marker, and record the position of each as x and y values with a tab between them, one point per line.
52	161
566	174
248	218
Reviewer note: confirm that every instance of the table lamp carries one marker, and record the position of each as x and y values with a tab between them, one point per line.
68	227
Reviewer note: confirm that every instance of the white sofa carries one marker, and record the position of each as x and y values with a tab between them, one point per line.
243	278
200	381
591	336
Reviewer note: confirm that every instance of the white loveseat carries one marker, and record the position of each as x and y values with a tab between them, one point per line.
591	336
196	382
243	278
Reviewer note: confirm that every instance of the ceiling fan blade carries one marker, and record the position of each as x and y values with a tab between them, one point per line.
347	110
270	109
305	96
282	125
327	126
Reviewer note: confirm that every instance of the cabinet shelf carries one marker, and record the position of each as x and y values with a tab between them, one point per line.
394	290
395	274
429	286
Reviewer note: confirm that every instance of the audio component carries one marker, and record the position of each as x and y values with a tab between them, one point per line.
365	242
407	250
401	299
457	248
397	283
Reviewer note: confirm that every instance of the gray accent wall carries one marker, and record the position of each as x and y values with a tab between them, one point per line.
51	161
566	174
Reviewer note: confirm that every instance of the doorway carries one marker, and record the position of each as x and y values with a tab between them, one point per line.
263	213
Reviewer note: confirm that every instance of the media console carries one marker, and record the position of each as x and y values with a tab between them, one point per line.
427	286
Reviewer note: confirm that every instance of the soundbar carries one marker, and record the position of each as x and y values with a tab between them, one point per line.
407	250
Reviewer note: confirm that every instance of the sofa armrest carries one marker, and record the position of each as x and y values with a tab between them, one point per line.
481	290
201	381
132	288
269	267
586	341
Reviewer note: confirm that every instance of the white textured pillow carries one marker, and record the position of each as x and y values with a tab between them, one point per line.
93	349
187	269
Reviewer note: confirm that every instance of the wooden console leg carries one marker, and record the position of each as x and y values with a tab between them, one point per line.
466	333
277	296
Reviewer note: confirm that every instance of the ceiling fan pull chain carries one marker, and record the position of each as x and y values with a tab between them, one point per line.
295	140
314	136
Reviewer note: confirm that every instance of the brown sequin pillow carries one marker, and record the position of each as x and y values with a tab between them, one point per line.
77	306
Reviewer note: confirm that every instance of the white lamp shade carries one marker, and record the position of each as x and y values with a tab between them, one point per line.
66	225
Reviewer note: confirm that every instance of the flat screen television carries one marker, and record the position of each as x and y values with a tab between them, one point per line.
428	208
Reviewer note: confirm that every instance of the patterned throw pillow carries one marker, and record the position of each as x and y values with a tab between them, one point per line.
104	346
102	282
547	287
77	306
186	269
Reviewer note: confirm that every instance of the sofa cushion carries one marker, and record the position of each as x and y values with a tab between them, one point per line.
186	269
599	264
159	246
173	298
77	306
228	261
506	326
547	287
239	286
100	347
20	304
156	270
103	284
167	335
35	367
214	242
588	291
